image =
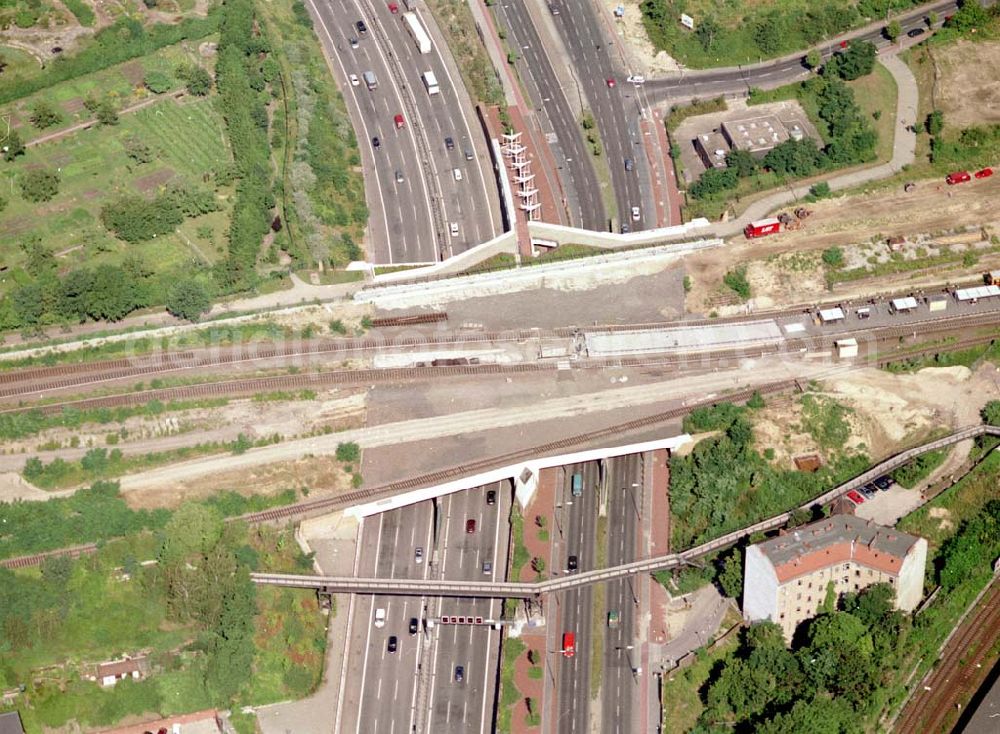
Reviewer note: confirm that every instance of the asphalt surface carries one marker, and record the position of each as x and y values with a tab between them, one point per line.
577	522
619	682
381	691
579	180
467	705
384	689
769	74
409	219
616	109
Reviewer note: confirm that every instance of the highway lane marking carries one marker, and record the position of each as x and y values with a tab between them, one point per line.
368	636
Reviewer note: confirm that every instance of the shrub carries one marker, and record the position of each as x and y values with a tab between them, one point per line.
157	82
737	281
135	219
188	299
934	124
13	146
820	190
39	185
137	150
833	257
348	452
44	115
107	113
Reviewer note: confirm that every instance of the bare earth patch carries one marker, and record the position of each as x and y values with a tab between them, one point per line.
942	515
965	94
153	181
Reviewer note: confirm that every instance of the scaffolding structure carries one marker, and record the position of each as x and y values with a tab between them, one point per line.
520	164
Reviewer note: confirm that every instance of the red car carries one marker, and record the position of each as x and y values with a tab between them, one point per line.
393	8
855	497
611	83
843	44
985	173
958	177
400	122
470	526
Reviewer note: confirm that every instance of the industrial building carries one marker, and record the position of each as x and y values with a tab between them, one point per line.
786	578
757	135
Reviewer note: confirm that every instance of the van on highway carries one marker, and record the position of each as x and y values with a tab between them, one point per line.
370	81
577	485
380	617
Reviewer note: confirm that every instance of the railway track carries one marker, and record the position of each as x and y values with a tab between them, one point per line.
29	381
935	708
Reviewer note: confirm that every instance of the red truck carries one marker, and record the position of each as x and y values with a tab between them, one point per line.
958	177
569	644
762	228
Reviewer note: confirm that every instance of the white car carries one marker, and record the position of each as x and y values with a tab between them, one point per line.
354	80
636	216
457	173
454	229
636	79
380	617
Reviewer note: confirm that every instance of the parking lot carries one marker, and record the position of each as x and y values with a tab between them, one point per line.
886	507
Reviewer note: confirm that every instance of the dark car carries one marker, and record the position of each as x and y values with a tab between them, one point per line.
470	526
572	563
362	28
868	490
414	625
459	673
393	644
913	33
491	497
629	164
449	144
376	143
883	483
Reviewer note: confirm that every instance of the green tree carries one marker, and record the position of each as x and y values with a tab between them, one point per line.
137	150
856	61
157	82
833	257
737	281
819	190
991	413
814	59
44	115
199	81
107	112
38	184
767	34
893	30
741	161
970	16
13	146
112	296
707	31
731	575
932	19
714	181
829	604
348	452
794	157
188	299
934	123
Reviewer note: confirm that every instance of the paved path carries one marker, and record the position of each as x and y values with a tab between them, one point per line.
702	621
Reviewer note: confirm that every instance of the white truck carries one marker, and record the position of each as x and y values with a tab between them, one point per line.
418	33
430	82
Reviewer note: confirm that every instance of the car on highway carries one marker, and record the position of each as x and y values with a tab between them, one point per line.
855	497
883	483
572	563
393	8
610	83
470	526
354	80
629	164
399	177
914	32
636	214
453	228
362	28
554	9
468	154
393	644
353	41
457	173
380	617
399	121
449	144
625	229
613	619
414	625
491	497
487	567
636	79
459	673
376	143
418	554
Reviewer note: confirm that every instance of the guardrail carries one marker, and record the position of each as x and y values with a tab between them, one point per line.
417	587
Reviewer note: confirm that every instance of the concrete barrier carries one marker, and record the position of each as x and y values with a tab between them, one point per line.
611	240
506	242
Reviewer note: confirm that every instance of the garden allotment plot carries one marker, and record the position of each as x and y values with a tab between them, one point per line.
187	144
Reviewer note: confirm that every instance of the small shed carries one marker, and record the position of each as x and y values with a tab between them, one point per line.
809	462
903	305
896	243
831	315
115	670
847	348
938	303
10	723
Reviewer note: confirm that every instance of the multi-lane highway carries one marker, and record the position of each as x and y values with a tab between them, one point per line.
577	525
619	682
616	109
416	684
463	701
535	67
421	209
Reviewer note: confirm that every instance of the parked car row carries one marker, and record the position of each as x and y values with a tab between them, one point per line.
858	496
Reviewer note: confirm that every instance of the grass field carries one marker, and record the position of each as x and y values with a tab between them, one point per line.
877	92
187	140
19	63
